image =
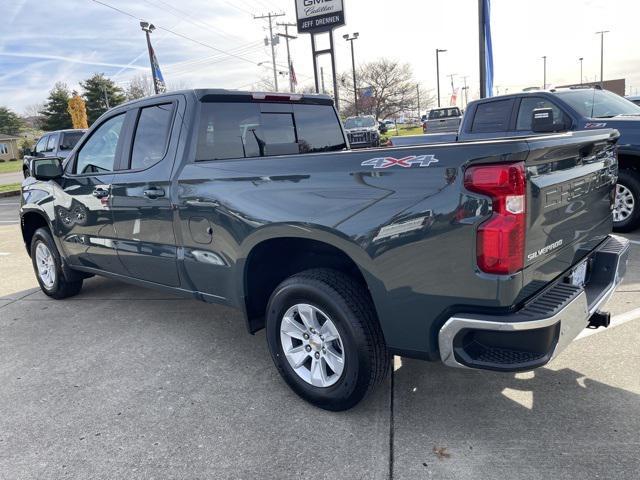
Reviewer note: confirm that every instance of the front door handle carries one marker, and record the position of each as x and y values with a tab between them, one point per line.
154	192
101	192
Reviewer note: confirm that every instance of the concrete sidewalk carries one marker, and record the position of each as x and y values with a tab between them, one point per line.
121	382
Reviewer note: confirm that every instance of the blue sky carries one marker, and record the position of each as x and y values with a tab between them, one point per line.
42	42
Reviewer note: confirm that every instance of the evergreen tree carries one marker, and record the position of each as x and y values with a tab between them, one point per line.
10	123
99	92
56	116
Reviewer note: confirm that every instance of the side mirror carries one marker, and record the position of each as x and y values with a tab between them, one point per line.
45	168
27	152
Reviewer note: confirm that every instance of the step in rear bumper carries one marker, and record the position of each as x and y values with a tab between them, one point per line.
532	336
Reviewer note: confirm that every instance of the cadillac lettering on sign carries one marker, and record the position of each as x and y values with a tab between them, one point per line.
319	15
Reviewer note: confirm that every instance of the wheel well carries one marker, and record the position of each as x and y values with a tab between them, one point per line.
272	261
31	221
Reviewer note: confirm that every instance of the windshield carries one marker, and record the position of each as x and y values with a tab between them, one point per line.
599	103
359	122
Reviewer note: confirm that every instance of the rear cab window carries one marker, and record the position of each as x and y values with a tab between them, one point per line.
229	130
492	116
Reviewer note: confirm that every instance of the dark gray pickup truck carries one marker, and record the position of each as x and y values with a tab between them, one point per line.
487	255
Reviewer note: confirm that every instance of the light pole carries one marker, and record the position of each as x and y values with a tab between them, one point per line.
438	52
581	59
601	33
353	66
544	59
147	28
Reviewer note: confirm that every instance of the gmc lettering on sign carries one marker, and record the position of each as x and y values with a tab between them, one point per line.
319	15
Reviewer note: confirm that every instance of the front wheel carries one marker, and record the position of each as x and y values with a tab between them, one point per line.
626	213
325	339
48	267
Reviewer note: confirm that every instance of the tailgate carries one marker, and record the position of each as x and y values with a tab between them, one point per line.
569	201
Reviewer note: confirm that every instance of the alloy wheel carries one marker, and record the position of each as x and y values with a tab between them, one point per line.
312	345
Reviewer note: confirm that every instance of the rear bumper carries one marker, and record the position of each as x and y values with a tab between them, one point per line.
532	336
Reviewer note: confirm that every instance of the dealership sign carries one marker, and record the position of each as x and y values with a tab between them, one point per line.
319	15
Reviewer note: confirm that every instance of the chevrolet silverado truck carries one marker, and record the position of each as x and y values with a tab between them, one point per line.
483	255
573	109
56	144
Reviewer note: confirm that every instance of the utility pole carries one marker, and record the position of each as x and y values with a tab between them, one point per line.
288	37
271	16
601	33
351	38
438	52
103	87
466	91
544	85
418	92
581	59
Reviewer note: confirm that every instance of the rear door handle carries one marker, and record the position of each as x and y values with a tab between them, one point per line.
154	193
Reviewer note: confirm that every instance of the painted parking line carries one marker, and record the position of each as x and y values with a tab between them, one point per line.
616	321
636	242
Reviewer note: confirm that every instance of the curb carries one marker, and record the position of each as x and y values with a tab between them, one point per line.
10	194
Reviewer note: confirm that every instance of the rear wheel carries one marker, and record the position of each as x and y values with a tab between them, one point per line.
325	339
48	267
626	213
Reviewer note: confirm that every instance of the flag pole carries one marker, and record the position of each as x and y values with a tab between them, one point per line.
482	42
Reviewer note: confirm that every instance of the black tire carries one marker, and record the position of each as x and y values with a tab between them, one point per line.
25	172
629	180
60	287
347	303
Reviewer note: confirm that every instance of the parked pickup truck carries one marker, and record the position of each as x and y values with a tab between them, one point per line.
573	109
362	131
56	144
442	120
487	255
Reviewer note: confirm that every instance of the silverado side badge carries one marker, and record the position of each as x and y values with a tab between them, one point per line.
405	162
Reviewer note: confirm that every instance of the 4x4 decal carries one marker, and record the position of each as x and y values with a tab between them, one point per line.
405	162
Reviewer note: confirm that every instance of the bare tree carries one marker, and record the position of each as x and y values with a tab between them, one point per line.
386	88
140	86
32	115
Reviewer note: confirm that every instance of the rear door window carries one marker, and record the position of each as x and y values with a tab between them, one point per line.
152	136
492	116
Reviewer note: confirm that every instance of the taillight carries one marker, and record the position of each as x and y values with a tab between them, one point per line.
501	239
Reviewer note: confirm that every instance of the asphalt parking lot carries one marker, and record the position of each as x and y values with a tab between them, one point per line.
121	382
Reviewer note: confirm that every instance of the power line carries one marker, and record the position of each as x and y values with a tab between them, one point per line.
176	33
193	20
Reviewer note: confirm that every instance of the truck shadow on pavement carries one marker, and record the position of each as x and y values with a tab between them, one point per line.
550	423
